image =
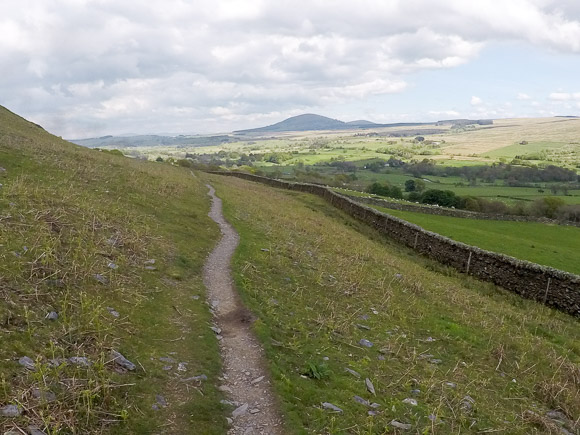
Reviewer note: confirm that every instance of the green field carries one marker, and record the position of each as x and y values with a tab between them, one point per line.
320	282
550	245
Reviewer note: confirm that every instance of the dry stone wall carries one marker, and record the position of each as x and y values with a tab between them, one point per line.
555	288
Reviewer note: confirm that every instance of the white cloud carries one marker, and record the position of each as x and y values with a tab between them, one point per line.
476	101
564	96
523	96
118	65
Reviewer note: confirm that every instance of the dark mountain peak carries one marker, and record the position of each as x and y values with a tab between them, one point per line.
305	122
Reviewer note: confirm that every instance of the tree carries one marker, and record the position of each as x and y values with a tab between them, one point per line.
445	198
159	159
410	186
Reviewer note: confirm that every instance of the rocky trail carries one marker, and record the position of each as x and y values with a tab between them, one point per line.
244	379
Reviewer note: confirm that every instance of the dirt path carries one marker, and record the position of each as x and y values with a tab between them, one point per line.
245	380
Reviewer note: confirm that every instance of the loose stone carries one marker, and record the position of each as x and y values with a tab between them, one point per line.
10	411
400	425
27	362
327	405
364	342
239	411
370	386
122	361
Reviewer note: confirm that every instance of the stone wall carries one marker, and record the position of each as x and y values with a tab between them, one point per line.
550	286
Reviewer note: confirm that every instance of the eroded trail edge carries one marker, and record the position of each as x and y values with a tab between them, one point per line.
245	379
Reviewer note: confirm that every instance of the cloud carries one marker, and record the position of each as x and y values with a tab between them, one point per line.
86	67
475	101
522	96
564	96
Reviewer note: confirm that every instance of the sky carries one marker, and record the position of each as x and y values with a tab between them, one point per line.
88	68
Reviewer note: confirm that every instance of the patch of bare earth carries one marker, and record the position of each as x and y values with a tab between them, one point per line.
245	379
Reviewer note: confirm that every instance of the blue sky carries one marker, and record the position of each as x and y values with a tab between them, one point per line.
84	68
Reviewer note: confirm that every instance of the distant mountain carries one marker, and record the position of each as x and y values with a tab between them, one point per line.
152	140
304	122
312	122
361	123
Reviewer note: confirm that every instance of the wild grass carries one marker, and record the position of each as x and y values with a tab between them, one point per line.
476	359
87	234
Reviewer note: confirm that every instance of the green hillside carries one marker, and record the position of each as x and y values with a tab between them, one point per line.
448	354
99	252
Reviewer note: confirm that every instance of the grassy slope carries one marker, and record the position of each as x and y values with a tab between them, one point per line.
551	245
311	274
65	214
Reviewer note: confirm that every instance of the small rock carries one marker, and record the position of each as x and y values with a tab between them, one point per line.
385	351
167	359
229	420
557	415
34	430
451	384
112	266
217	330
122	361
254	411
47	396
113	312
182	367
375	405
370	386
10	411
161	400
225	389
372	413
398	276
400	425
364	342
166	368
327	405
27	362
195	297
240	410
374	311
196	378
410	401
364	317
435	361
358	325
102	279
361	401
352	372
150	261
150	268
265	250
415	392
257	380
432	417
219	337
53	315
381	357
79	361
467	403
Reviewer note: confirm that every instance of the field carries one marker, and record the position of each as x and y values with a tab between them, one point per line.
448	354
551	245
98	253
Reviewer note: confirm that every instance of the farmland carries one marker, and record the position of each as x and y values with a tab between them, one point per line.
550	245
